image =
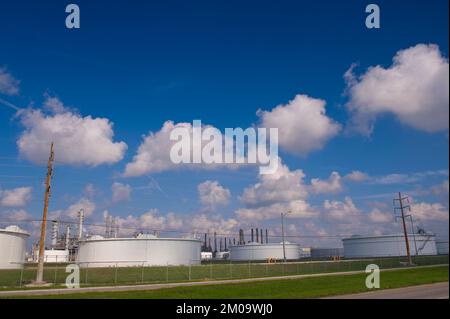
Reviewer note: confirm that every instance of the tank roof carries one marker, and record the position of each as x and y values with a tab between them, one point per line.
14	229
145	237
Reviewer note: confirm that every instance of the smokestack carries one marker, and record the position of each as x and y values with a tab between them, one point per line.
215	243
262	241
106	226
252	234
220	244
225	244
209	246
241	237
257	235
267	237
80	223
111	226
54	233
204	247
234	241
66	247
115	227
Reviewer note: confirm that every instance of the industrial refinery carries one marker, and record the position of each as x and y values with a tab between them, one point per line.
74	244
110	250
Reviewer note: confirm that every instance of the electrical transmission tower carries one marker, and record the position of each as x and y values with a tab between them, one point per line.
399	204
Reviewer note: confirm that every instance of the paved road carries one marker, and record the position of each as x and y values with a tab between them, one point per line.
431	291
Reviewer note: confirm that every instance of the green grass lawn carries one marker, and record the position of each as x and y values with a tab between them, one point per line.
14	279
287	288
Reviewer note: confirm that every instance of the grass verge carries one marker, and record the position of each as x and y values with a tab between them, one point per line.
284	288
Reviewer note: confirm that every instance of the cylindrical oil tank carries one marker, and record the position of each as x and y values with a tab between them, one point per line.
12	247
442	247
55	256
325	253
144	250
389	245
258	251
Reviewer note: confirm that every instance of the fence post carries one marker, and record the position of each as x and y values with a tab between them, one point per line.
249	270
142	273
115	274
21	275
211	270
86	276
189	270
167	272
56	272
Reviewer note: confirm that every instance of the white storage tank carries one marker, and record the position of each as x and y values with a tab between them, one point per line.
389	245
12	247
442	247
54	256
326	252
147	250
258	251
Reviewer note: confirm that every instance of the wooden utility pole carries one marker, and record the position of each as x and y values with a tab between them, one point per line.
40	270
402	216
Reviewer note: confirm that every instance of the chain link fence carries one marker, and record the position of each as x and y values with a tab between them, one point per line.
139	273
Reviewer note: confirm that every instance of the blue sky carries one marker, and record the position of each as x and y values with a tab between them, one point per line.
140	64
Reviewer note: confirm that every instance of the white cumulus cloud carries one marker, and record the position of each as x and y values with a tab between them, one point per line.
430	211
78	140
212	194
8	84
378	216
15	197
440	189
332	185
120	192
284	185
303	125
297	208
72	211
153	154
338	210
357	176
15	215
415	88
